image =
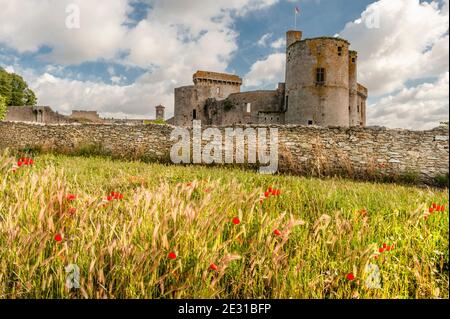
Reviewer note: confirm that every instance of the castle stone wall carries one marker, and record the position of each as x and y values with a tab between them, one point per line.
354	151
37	114
235	108
91	116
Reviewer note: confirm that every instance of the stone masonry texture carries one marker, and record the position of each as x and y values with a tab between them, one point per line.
355	151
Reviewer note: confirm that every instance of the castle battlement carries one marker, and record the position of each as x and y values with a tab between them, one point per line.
205	77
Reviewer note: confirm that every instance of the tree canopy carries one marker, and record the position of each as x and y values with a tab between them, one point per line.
2	108
15	90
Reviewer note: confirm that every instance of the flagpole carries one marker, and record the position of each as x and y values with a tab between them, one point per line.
295	23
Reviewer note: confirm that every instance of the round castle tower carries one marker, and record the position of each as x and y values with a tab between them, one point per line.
318	81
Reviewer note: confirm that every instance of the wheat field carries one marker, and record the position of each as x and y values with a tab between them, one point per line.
138	230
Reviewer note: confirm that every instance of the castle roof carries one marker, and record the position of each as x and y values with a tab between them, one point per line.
322	38
215	76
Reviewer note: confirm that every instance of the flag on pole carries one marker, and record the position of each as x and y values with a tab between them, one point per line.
297	12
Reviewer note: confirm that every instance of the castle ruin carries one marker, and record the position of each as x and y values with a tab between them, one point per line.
45	115
320	89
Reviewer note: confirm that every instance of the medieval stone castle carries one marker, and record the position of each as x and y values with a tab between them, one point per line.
321	89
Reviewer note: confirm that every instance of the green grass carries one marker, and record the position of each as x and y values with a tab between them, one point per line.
122	247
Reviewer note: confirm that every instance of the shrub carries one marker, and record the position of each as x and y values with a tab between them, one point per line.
228	105
442	180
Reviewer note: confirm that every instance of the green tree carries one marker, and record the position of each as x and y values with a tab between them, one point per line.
5	85
16	90
2	108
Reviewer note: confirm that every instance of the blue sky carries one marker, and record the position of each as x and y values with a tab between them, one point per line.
128	55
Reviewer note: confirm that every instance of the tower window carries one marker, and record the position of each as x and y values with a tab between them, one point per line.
340	51
194	114
249	107
320	76
218	90
353	60
310	122
287	102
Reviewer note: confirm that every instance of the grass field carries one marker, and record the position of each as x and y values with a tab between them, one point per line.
197	232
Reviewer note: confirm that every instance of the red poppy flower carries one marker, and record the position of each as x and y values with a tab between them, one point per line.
350	277
172	256
384	246
71	197
434	205
442	208
277	232
58	238
266	194
72	210
213	267
109	198
381	250
236	221
278	192
431	210
270	190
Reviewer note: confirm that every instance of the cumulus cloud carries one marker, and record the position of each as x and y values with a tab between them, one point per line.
110	100
278	44
267	72
399	41
420	107
402	42
174	40
29	25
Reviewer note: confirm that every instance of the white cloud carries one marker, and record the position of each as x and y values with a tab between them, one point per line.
278	44
420	107
28	25
135	100
172	42
267	72
410	43
9	69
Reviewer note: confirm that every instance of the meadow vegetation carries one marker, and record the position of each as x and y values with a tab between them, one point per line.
139	230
